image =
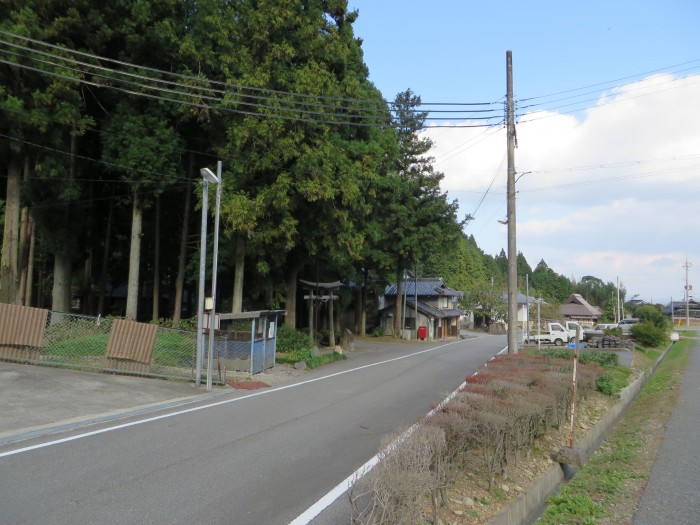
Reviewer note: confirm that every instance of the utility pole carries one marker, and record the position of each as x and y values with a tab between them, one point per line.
512	253
688	287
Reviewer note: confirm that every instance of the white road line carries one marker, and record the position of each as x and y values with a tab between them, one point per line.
314	510
211	405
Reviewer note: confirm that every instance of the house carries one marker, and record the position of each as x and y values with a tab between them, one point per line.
525	315
677	309
431	309
576	308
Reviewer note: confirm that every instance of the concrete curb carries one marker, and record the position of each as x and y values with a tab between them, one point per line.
527	507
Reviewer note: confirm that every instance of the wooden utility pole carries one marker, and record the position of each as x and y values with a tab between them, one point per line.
512	253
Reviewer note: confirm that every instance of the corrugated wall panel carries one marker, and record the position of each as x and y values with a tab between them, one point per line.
132	340
22	325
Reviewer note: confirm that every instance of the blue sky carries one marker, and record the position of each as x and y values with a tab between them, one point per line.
611	162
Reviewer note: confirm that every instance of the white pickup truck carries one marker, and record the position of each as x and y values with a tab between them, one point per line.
572	327
555	334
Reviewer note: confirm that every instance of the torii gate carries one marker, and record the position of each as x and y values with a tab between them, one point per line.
330	288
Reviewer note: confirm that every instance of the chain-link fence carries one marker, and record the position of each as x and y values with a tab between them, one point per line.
82	342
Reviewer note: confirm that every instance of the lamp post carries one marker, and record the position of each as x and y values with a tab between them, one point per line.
202	276
209	176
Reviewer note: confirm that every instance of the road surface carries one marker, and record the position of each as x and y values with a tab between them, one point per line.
260	457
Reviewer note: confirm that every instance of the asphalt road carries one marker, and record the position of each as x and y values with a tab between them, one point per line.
261	457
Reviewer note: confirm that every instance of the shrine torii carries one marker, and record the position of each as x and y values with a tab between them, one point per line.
329	288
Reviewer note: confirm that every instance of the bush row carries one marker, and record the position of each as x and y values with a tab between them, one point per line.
485	428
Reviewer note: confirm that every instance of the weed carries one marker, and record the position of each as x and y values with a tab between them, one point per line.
613	380
601	483
571	508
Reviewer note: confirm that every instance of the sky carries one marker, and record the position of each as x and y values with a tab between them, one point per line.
607	101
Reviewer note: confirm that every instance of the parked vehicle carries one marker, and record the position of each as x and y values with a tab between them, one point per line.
605	326
625	325
572	327
555	334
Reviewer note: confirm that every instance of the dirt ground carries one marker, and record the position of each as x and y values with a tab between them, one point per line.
469	500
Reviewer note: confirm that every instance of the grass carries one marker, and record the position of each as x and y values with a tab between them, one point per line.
170	348
613	380
601	483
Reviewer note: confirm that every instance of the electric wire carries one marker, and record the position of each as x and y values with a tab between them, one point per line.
524	120
198	80
612	81
384	122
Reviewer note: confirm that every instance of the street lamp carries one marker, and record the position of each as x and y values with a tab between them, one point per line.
207	177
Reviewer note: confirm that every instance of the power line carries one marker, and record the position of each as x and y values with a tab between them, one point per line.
82	157
612	179
384	122
615	164
599	104
611	81
106	132
489	188
480	114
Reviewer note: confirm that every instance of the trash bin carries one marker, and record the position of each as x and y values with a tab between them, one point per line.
422	332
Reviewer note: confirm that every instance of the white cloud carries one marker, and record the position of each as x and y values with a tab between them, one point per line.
612	192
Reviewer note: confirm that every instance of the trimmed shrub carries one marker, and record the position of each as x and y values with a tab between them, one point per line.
649	334
295	343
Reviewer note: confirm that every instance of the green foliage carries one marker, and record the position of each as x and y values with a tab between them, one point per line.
598	293
297	345
549	284
78	347
585	357
649	334
173	348
461	264
571	508
378	332
653	315
488	297
613	380
323	359
600	358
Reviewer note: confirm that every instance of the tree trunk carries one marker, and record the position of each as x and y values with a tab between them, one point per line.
105	258
24	232
132	294
30	264
290	316
358	305
10	238
23	261
156	265
61	291
363	314
87	304
182	260
237	304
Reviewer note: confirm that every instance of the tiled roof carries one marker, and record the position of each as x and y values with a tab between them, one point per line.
426	287
431	311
